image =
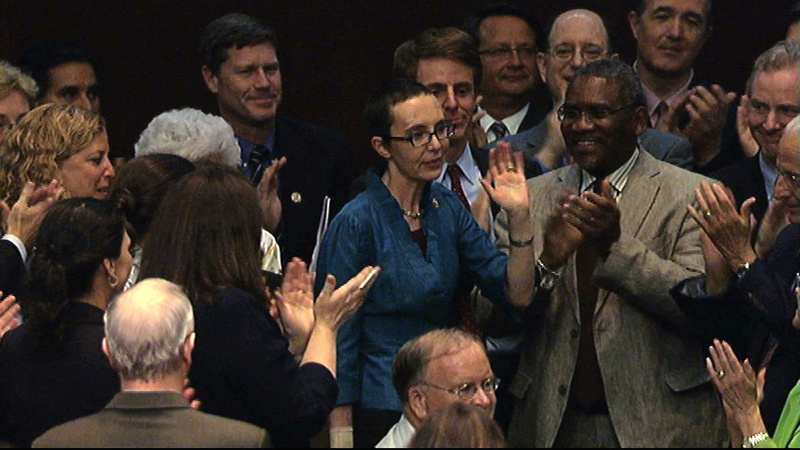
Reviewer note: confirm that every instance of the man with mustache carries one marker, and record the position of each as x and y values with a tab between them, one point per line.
608	359
669	36
506	38
774	99
241	67
576	38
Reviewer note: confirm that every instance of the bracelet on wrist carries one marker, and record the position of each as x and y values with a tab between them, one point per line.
752	441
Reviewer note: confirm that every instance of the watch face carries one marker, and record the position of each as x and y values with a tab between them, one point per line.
548	281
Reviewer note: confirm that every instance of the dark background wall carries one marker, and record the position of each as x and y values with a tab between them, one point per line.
332	52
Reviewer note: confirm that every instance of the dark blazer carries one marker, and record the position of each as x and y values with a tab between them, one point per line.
242	369
152	419
319	162
754	316
658	391
664	146
39	390
746	180
11	267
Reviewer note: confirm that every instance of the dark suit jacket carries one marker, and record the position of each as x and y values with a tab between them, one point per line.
152	419
41	389
746	180
11	267
730	149
242	369
753	316
664	146
319	162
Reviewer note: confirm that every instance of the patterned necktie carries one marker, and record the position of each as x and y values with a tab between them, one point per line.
499	129
256	163
661	116
455	181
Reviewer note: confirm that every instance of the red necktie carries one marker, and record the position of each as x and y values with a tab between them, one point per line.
466	319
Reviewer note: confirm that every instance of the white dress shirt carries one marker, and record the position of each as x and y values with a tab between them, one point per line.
511	122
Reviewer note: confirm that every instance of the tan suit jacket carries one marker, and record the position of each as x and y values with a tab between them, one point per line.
152	419
656	385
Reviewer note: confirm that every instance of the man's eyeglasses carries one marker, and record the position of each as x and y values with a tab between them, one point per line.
792	178
592	113
442	130
467	391
527	52
566	53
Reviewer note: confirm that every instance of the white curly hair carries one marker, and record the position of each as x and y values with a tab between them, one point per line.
192	134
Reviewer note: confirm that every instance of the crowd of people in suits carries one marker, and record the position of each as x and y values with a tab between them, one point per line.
619	270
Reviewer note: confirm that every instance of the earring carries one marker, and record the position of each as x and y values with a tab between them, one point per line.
113	280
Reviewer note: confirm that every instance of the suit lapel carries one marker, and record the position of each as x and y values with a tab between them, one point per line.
570	179
636	202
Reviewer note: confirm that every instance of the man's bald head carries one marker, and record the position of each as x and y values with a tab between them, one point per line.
147	329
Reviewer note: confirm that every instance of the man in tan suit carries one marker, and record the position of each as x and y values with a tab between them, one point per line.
609	360
149	341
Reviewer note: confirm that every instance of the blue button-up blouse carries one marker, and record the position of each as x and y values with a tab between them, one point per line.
414	294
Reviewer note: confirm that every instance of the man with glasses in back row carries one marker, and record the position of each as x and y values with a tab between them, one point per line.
506	38
574	39
608	358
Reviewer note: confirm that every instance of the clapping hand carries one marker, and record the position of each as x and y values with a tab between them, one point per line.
268	199
334	307
8	314
727	228
596	216
293	305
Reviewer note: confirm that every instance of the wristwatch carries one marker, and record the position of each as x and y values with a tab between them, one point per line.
752	441
741	269
547	278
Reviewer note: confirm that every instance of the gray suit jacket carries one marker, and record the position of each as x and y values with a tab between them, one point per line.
664	146
152	419
657	388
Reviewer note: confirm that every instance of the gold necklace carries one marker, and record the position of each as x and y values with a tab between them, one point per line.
412	214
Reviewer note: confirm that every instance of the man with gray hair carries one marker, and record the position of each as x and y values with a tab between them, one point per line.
435	370
772	100
190	133
149	341
608	358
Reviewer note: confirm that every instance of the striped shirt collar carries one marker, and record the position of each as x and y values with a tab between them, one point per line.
618	178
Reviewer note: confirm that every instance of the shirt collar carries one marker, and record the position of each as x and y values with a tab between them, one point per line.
653	100
511	122
617	178
247	146
469	169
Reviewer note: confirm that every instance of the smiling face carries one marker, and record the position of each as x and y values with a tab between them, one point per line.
73	83
580	31
774	102
670	34
601	146
512	75
89	172
414	164
451	83
248	86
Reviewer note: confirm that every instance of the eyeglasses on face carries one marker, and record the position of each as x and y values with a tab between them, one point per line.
566	53
468	391
526	52
442	130
569	113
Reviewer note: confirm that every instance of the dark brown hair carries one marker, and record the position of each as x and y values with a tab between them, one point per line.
206	235
447	43
459	426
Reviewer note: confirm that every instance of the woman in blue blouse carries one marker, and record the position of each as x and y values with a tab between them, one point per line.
422	238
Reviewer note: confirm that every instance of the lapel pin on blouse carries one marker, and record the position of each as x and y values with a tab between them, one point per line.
435	203
296	197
